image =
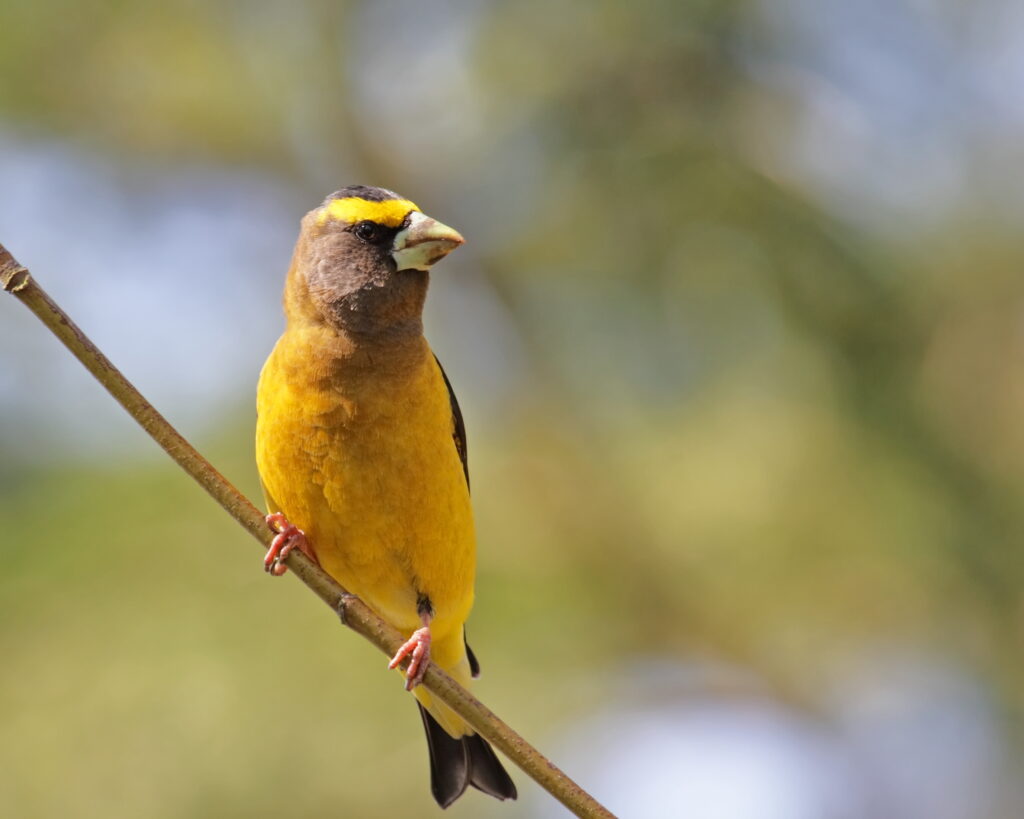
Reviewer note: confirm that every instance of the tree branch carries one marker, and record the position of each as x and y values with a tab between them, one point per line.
353	612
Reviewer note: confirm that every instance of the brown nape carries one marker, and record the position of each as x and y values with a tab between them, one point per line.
352	286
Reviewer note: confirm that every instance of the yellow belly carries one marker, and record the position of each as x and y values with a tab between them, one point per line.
365	464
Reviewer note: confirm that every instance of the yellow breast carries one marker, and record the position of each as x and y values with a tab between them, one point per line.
362	458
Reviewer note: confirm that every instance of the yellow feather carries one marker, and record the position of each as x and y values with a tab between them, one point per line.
361	457
390	213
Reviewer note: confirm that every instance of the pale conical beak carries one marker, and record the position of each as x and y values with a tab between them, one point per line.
423	242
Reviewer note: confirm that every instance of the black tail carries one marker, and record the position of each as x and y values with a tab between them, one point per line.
458	763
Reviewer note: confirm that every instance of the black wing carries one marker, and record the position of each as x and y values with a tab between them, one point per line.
459	433
459	437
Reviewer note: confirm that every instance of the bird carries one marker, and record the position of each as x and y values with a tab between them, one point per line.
362	456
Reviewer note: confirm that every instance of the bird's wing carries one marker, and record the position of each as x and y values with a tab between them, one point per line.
474	663
459	437
458	425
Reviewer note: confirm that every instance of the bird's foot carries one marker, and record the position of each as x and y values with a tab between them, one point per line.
288	537
418	646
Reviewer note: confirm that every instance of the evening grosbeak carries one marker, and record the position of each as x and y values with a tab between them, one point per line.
361	450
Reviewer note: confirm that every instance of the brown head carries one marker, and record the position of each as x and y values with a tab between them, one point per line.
362	261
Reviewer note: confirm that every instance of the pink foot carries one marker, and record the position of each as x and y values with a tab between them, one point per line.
288	537
419	647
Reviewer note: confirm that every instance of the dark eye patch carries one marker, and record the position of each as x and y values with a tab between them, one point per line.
373	233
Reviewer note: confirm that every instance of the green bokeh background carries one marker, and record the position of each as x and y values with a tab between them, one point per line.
738	333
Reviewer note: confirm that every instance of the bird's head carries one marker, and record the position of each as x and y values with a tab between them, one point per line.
362	260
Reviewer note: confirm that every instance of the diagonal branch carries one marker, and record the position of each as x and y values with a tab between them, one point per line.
353	612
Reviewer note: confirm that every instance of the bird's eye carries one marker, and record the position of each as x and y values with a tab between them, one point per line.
368	231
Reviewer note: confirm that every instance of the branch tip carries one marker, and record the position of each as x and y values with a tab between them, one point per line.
13	276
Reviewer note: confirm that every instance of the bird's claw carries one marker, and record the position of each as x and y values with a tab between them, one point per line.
288	537
418	646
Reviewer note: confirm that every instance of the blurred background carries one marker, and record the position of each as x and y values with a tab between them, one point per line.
738	333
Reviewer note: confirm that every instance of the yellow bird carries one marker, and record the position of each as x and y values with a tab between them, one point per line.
361	450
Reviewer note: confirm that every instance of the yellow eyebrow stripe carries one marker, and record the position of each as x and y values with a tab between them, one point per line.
390	213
